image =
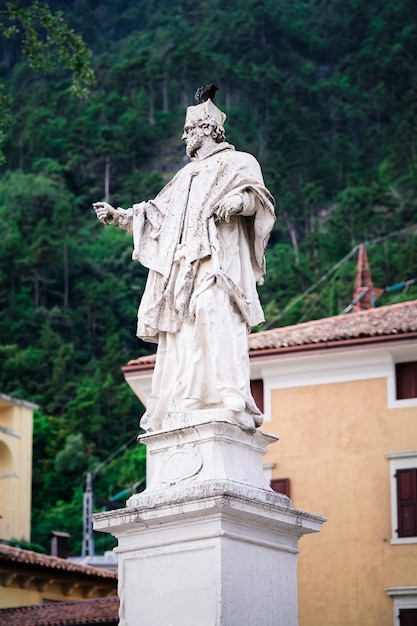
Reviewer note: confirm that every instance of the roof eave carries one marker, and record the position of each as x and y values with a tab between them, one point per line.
332	345
133	369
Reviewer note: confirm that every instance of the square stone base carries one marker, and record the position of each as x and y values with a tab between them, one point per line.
208	543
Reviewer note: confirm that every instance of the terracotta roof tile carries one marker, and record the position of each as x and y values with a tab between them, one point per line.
149	359
27	557
388	320
393	319
102	611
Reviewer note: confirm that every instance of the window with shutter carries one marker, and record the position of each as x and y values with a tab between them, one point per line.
257	389
407	502
408	617
403	489
281	485
406	380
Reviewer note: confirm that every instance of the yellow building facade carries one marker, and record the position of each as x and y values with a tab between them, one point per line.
333	391
331	395
16	430
29	578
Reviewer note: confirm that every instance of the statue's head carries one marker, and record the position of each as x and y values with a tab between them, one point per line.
203	123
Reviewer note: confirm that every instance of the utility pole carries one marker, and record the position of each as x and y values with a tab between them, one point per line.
88	535
88	501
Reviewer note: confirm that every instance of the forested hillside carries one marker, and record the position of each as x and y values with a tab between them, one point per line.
323	93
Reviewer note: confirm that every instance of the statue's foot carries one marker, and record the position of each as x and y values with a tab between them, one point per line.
259	419
234	403
237	406
246	420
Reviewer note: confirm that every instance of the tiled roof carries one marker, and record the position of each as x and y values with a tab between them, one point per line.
102	611
143	362
148	358
386	321
9	554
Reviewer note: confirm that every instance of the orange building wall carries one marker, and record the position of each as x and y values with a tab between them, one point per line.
333	441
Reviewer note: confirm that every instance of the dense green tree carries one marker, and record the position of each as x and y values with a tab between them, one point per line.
323	93
73	457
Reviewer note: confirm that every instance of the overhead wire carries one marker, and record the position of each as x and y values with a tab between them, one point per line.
313	286
331	271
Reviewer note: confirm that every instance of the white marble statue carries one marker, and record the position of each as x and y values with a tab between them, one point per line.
203	240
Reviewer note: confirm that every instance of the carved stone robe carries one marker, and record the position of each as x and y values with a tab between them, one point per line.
200	298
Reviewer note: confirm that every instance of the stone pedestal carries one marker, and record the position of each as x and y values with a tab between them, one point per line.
208	543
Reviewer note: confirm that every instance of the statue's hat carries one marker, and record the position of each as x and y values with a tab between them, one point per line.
205	112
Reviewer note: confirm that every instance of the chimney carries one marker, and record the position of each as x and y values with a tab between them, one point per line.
59	543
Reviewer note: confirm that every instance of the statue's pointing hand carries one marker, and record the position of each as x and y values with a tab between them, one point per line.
105	212
229	206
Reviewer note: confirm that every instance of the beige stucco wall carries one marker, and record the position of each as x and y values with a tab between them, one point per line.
14	596
333	442
16	422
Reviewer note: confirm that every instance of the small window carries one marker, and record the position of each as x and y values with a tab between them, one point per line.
407	502
408	617
403	488
257	389
406	380
281	485
404	605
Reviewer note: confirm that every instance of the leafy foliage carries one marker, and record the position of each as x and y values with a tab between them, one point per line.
48	43
323	93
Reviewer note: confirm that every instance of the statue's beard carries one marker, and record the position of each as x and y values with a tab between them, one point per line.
193	147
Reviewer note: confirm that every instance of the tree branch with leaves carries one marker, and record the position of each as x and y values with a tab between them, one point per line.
49	44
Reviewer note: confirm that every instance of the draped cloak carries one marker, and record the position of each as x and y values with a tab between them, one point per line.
202	280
